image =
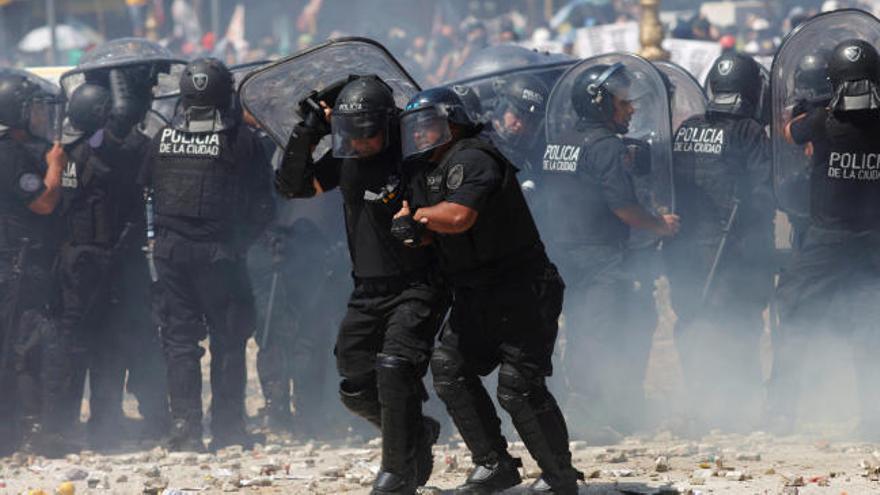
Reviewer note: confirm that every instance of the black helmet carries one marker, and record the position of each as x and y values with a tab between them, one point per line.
89	107
852	69
593	90
16	96
207	82
425	122
471	101
363	110
811	77
735	85
524	96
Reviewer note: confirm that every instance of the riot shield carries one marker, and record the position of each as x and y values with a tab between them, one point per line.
820	34
272	94
650	124
500	58
512	102
688	98
157	64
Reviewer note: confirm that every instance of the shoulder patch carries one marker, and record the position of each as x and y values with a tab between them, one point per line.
29	182
455	176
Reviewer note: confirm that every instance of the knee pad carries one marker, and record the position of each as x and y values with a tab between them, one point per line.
360	396
448	368
518	391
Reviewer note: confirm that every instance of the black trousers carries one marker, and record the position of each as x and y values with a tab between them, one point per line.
400	321
832	284
30	371
204	292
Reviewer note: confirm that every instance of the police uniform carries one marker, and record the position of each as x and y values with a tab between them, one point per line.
507	299
100	212
212	199
721	160
590	182
833	281
27	248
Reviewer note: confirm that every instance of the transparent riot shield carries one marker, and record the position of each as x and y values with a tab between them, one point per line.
649	125
511	102
272	95
148	61
46	107
817	36
688	98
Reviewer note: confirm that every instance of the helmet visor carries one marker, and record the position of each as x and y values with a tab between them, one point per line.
46	117
359	135
423	130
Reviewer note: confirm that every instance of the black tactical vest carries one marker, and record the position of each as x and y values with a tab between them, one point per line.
575	210
504	243
845	177
708	174
195	176
87	207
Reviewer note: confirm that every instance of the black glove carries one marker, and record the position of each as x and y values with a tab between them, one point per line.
407	230
640	154
125	110
310	107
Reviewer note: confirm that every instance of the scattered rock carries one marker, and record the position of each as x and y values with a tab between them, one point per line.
661	464
451	463
122	479
618	473
703	473
577	445
154	486
748	456
333	472
76	474
735	476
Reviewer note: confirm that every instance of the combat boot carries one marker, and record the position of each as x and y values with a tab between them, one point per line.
492	477
424	453
569	487
185	437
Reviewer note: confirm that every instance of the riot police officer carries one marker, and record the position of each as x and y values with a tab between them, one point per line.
31	191
517	118
211	190
100	208
719	266
833	280
507	295
590	176
394	313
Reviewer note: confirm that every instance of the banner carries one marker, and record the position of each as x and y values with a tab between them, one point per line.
695	56
607	38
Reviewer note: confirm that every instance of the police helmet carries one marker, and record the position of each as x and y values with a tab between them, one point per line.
207	82
89	107
735	85
524	96
364	110
593	91
853	71
16	96
471	101
425	123
811	76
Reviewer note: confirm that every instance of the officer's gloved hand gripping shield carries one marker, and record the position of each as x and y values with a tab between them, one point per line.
796	88
137	72
274	94
596	92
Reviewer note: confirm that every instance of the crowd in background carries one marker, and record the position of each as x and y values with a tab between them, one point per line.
432	38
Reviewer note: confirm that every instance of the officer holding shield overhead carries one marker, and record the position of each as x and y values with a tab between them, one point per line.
394	313
719	266
30	193
833	280
211	182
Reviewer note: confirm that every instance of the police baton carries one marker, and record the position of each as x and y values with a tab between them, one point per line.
710	279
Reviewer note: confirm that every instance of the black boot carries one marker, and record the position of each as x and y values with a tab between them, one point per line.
400	396
492	477
541	426
185	436
424	453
